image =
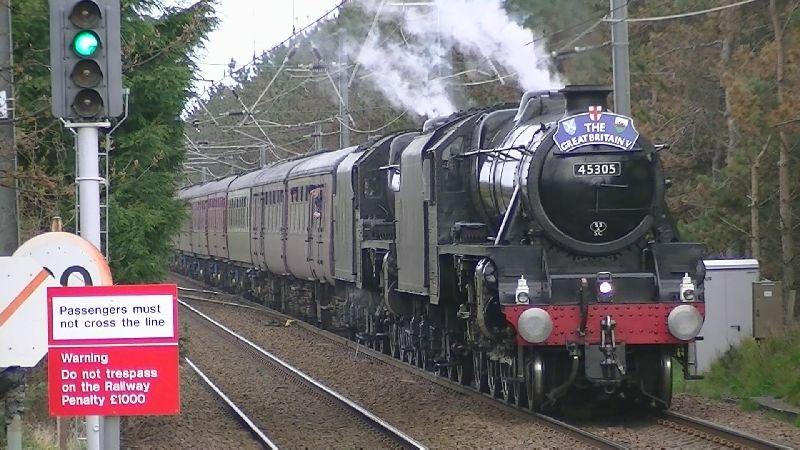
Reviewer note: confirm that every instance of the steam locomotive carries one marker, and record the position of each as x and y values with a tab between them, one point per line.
525	250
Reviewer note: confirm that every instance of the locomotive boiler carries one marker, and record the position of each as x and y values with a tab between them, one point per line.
523	249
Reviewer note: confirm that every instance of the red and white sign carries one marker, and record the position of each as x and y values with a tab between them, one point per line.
23	297
69	258
113	350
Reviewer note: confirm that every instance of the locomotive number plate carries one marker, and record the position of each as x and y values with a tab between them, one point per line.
594	169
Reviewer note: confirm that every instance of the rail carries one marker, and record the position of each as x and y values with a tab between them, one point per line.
591	439
715	433
375	421
240	415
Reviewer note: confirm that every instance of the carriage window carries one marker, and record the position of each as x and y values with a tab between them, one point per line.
316	202
243	212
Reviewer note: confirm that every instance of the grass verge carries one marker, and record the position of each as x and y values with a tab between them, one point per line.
770	367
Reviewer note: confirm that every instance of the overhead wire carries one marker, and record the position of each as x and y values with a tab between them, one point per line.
369	32
256	121
681	15
580	35
294	34
255	59
578	24
500	78
375	130
271	146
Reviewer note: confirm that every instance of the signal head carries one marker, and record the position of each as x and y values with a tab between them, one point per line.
88	103
85	14
85	59
86	74
85	43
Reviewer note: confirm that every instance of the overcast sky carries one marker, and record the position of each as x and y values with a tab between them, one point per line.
249	27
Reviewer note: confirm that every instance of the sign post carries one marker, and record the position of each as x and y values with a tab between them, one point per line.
113	350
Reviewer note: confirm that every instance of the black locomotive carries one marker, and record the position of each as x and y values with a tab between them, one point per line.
524	250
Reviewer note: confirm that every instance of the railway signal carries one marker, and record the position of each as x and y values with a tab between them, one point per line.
85	61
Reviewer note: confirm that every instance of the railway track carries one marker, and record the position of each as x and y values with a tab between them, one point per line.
670	426
310	414
587	438
713	434
668	429
235	411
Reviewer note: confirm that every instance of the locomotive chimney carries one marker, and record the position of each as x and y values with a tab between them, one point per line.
581	96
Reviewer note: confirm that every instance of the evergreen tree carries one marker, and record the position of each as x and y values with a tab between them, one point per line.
148	151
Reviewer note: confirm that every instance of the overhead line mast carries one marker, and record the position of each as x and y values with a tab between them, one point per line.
619	57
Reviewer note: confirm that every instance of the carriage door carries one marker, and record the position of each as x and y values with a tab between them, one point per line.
256	228
315	226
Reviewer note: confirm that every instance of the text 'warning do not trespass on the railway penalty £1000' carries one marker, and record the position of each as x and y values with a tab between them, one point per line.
113	350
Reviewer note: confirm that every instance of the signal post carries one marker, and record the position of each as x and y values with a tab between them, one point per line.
86	82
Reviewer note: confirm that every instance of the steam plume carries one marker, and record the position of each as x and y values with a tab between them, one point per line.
412	69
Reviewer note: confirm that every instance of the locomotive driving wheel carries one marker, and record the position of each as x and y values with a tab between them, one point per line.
534	381
663	387
654	378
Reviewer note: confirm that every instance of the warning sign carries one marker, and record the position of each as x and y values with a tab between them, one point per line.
23	299
113	350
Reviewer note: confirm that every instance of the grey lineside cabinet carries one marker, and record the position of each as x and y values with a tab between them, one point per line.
729	308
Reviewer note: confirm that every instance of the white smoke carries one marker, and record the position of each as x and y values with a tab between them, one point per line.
403	74
413	70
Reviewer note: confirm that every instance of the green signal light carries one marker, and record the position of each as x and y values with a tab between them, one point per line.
85	43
